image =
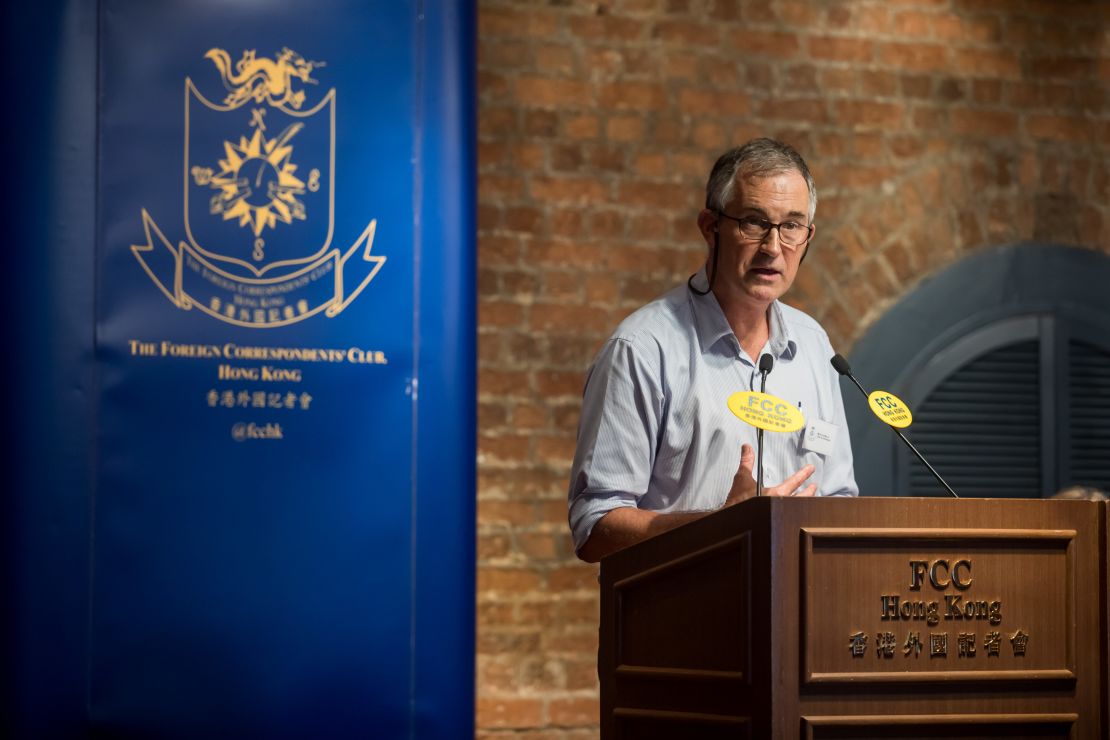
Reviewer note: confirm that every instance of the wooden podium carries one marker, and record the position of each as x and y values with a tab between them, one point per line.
861	618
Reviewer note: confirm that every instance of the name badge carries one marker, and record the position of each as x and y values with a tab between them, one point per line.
819	437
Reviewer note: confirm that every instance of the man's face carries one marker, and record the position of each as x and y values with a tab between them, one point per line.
752	270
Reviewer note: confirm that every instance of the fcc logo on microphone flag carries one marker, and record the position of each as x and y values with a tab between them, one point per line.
765	411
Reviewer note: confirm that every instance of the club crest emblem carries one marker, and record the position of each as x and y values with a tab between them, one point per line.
259	201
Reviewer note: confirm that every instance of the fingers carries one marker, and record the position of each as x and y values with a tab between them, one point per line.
747	459
743	483
790	486
810	490
792	483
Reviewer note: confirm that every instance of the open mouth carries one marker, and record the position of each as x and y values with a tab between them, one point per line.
764	271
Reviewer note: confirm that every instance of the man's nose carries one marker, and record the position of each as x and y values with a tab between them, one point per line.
771	243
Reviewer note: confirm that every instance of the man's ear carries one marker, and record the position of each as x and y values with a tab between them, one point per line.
708	225
808	243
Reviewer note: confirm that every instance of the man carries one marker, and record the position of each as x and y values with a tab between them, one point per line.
657	444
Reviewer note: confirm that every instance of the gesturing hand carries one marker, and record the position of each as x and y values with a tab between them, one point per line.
743	483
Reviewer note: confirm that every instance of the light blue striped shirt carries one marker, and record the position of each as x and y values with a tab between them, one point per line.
656	431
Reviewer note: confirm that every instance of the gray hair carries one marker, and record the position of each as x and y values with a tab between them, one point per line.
1081	493
757	158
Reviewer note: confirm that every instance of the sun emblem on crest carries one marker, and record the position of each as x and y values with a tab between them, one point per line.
256	183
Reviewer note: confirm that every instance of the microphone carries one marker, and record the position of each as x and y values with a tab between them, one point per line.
766	362
841	366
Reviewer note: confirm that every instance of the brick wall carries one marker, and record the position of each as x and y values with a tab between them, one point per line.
933	128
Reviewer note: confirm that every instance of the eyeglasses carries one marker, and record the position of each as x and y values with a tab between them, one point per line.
791	233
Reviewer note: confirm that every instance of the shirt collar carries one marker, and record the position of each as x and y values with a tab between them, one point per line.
712	326
782	342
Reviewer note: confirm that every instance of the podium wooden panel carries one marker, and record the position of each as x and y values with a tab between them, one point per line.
861	618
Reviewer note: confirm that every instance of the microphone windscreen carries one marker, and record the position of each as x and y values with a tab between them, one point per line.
766	362
841	365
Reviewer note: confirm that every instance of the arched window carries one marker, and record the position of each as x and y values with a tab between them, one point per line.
1004	358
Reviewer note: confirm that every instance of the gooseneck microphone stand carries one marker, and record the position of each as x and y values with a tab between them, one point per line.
841	366
766	362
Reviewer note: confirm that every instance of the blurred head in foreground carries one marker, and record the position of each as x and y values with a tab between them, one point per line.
1081	493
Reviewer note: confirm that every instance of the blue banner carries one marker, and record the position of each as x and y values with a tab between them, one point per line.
281	497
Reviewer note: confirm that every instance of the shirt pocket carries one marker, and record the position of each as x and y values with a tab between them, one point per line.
805	400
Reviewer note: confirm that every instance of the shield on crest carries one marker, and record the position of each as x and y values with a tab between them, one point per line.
259	181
